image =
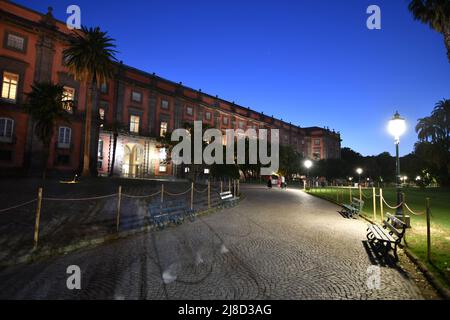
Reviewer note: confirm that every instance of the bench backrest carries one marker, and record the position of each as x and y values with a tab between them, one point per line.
358	203
226	195
395	225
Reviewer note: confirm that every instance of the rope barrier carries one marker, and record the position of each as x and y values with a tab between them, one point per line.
413	212
195	189
81	199
177	194
141	197
393	208
18	206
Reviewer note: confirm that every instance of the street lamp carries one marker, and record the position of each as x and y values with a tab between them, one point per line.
308	164
359	171
397	127
351	180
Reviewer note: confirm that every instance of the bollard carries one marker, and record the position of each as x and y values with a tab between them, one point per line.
428	230
192	196
374	195
38	218
381	204
162	193
118	208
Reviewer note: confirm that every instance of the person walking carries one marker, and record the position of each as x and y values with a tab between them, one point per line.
269	183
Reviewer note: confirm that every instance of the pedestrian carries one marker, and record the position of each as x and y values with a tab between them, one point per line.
269	183
283	182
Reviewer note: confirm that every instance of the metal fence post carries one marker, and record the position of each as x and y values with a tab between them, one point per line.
360	193
162	193
118	208
221	186
38	218
351	198
428	230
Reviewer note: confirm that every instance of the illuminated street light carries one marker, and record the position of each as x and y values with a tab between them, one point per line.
359	171
308	165
397	127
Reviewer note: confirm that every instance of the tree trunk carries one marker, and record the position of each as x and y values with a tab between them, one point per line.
87	133
113	160
45	156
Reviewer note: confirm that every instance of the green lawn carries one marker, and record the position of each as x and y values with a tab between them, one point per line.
416	237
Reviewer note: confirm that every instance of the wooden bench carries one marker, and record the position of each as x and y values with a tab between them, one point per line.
353	209
389	236
227	198
163	214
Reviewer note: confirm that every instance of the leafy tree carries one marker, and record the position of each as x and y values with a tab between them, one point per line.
46	105
90	58
435	13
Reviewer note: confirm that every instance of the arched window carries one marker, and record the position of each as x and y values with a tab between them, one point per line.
64	137
6	129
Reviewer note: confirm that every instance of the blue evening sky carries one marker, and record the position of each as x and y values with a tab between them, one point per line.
310	62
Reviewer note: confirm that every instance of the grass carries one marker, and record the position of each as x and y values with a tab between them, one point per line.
416	237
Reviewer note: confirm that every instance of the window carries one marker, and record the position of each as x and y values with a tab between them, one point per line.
15	42
136	96
164	104
6	129
64	137
189	111
207	171
162	168
100	154
104	88
208	116
241	124
134	123
187	170
68	99
101	113
163	129
225	120
317	142
9	87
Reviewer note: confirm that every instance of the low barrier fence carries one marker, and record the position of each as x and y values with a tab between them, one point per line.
196	197
379	201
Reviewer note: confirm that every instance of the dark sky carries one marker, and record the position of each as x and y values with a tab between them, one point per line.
310	62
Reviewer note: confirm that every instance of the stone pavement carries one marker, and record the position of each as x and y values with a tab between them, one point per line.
274	245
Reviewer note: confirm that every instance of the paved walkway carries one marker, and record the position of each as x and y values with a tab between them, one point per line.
274	245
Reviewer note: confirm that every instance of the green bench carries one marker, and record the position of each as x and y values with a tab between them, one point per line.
354	209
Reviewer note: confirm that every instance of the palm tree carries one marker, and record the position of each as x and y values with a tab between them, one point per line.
435	13
116	127
46	105
90	58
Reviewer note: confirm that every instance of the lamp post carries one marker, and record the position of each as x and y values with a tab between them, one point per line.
308	164
359	171
397	127
351	181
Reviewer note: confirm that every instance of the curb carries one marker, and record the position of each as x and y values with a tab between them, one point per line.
91	243
442	291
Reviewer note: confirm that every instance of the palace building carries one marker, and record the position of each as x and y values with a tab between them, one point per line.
146	105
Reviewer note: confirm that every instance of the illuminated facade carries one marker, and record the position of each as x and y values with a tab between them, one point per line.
145	104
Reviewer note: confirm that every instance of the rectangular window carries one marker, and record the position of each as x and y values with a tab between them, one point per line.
189	111
317	142
136	96
208	116
100	154
64	137
241	125
68	98
6	129
164	104
225	120
15	42
163	129
104	88
9	86
134	123
162	168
